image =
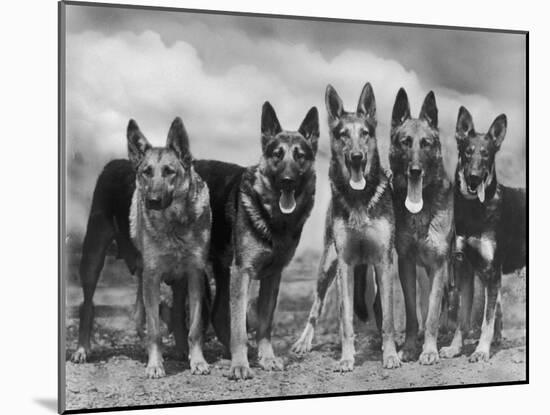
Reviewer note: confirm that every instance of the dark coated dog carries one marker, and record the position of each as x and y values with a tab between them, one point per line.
359	228
271	204
490	221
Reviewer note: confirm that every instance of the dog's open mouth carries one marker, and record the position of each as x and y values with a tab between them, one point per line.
357	179
287	202
479	191
414	201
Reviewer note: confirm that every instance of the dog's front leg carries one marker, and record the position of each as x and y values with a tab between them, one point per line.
240	369
269	291
345	280
151	298
407	276
492	298
390	359
430	354
196	293
465	276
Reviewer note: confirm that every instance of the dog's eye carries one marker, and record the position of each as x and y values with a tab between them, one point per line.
407	141
364	133
300	156
278	154
484	153
147	171
425	143
168	171
469	151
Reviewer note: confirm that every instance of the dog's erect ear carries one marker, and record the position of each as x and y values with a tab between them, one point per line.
367	104
464	125
498	130
137	143
429	110
178	140
401	109
335	107
270	124
310	128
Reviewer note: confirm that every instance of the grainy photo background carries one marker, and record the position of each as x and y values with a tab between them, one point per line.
215	72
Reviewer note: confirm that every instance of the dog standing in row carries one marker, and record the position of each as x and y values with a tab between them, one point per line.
359	227
423	206
490	228
272	202
170	221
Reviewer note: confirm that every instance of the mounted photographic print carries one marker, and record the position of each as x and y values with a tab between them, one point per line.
258	207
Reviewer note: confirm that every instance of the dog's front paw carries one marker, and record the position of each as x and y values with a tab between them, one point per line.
271	363
155	371
344	365
240	372
303	344
449	352
200	367
391	361
429	357
479	356
80	355
408	353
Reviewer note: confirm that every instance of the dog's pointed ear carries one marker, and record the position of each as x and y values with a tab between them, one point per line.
366	106
401	109
497	131
464	125
270	124
137	143
429	110
178	141
310	128
335	106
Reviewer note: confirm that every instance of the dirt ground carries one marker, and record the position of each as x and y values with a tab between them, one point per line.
115	375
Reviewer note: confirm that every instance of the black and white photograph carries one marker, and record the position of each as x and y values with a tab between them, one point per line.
258	207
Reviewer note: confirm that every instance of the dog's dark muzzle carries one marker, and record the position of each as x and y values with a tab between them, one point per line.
473	181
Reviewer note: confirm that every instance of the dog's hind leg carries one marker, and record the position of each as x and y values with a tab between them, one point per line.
267	301
99	234
327	272
178	317
407	276
220	310
384	279
466	293
359	291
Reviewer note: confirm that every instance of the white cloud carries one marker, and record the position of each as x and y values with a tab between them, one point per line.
111	78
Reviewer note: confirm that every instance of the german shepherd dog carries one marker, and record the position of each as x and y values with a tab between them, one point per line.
359	225
272	202
423	206
490	221
160	200
170	221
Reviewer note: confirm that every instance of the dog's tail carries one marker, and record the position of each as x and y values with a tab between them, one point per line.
359	292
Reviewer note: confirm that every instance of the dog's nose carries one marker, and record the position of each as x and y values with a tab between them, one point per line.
356	157
287	182
415	172
154	202
474	180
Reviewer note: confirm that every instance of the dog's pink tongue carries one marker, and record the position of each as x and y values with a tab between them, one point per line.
481	192
414	201
287	203
357	180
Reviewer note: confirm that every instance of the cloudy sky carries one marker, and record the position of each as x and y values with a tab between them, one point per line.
215	72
